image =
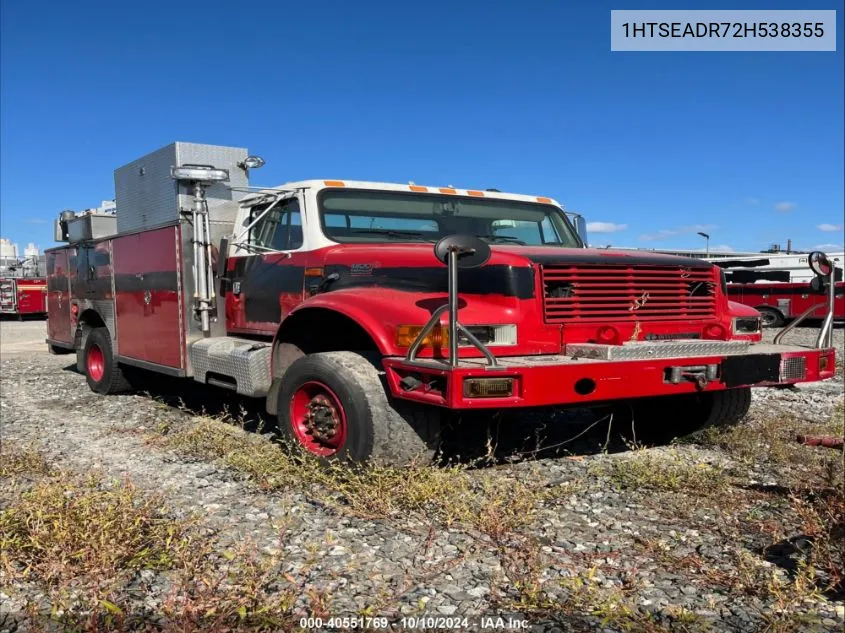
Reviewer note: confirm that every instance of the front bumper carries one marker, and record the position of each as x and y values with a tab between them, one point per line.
574	379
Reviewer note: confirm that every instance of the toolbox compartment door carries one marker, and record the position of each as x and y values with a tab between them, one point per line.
58	296
148	297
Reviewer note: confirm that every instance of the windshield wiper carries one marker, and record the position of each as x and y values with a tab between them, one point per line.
502	238
393	233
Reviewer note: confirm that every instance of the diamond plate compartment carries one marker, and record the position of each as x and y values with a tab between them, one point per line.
248	362
656	349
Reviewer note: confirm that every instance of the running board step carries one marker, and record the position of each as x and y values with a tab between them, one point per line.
246	362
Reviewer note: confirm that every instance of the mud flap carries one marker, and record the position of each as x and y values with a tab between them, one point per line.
743	370
272	403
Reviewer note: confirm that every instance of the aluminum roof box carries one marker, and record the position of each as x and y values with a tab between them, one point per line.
147	196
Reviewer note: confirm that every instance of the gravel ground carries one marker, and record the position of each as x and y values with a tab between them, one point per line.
667	552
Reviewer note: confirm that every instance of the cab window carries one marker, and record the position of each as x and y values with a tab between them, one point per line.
278	230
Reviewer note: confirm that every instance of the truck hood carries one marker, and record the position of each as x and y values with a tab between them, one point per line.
422	255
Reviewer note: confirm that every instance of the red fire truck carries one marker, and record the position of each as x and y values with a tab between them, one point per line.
778	289
778	303
364	312
23	296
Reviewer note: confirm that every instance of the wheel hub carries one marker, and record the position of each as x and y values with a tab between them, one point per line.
321	420
95	363
317	418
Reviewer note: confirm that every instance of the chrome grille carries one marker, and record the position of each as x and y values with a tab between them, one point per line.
585	292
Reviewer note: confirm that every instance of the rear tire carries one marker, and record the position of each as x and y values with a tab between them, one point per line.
335	406
667	417
772	317
103	373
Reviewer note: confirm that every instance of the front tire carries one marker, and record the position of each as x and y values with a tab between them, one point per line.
667	417
103	373
771	317
335	406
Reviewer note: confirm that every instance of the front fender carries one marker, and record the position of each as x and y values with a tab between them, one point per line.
736	309
377	310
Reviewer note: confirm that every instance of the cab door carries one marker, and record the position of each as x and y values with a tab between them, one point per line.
265	277
58	297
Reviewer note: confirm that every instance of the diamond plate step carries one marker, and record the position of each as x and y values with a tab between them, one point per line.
247	362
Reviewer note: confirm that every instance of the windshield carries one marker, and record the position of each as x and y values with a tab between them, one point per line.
392	216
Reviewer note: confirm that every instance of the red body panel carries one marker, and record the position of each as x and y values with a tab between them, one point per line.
58	296
791	298
149	320
23	296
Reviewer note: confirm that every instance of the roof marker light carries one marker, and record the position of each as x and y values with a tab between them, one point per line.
447	190
334	183
473	192
544	200
417	188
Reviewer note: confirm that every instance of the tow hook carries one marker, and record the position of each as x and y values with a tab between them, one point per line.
698	374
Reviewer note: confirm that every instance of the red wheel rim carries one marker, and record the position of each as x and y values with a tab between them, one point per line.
318	419
95	362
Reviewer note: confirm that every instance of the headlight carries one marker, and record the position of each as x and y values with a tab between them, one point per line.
747	325
439	336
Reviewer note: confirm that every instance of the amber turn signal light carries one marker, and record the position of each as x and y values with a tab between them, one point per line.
407	334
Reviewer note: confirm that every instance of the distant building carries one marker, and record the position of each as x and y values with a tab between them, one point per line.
692	252
8	254
14	264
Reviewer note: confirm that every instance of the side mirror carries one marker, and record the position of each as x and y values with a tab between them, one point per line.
819	263
580	225
581	228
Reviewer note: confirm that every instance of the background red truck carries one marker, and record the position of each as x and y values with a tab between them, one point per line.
23	296
365	313
779	303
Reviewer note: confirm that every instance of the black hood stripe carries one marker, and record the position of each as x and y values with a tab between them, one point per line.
575	257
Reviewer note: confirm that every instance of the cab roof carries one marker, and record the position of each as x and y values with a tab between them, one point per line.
406	188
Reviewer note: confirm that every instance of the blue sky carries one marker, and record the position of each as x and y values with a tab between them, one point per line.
522	96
